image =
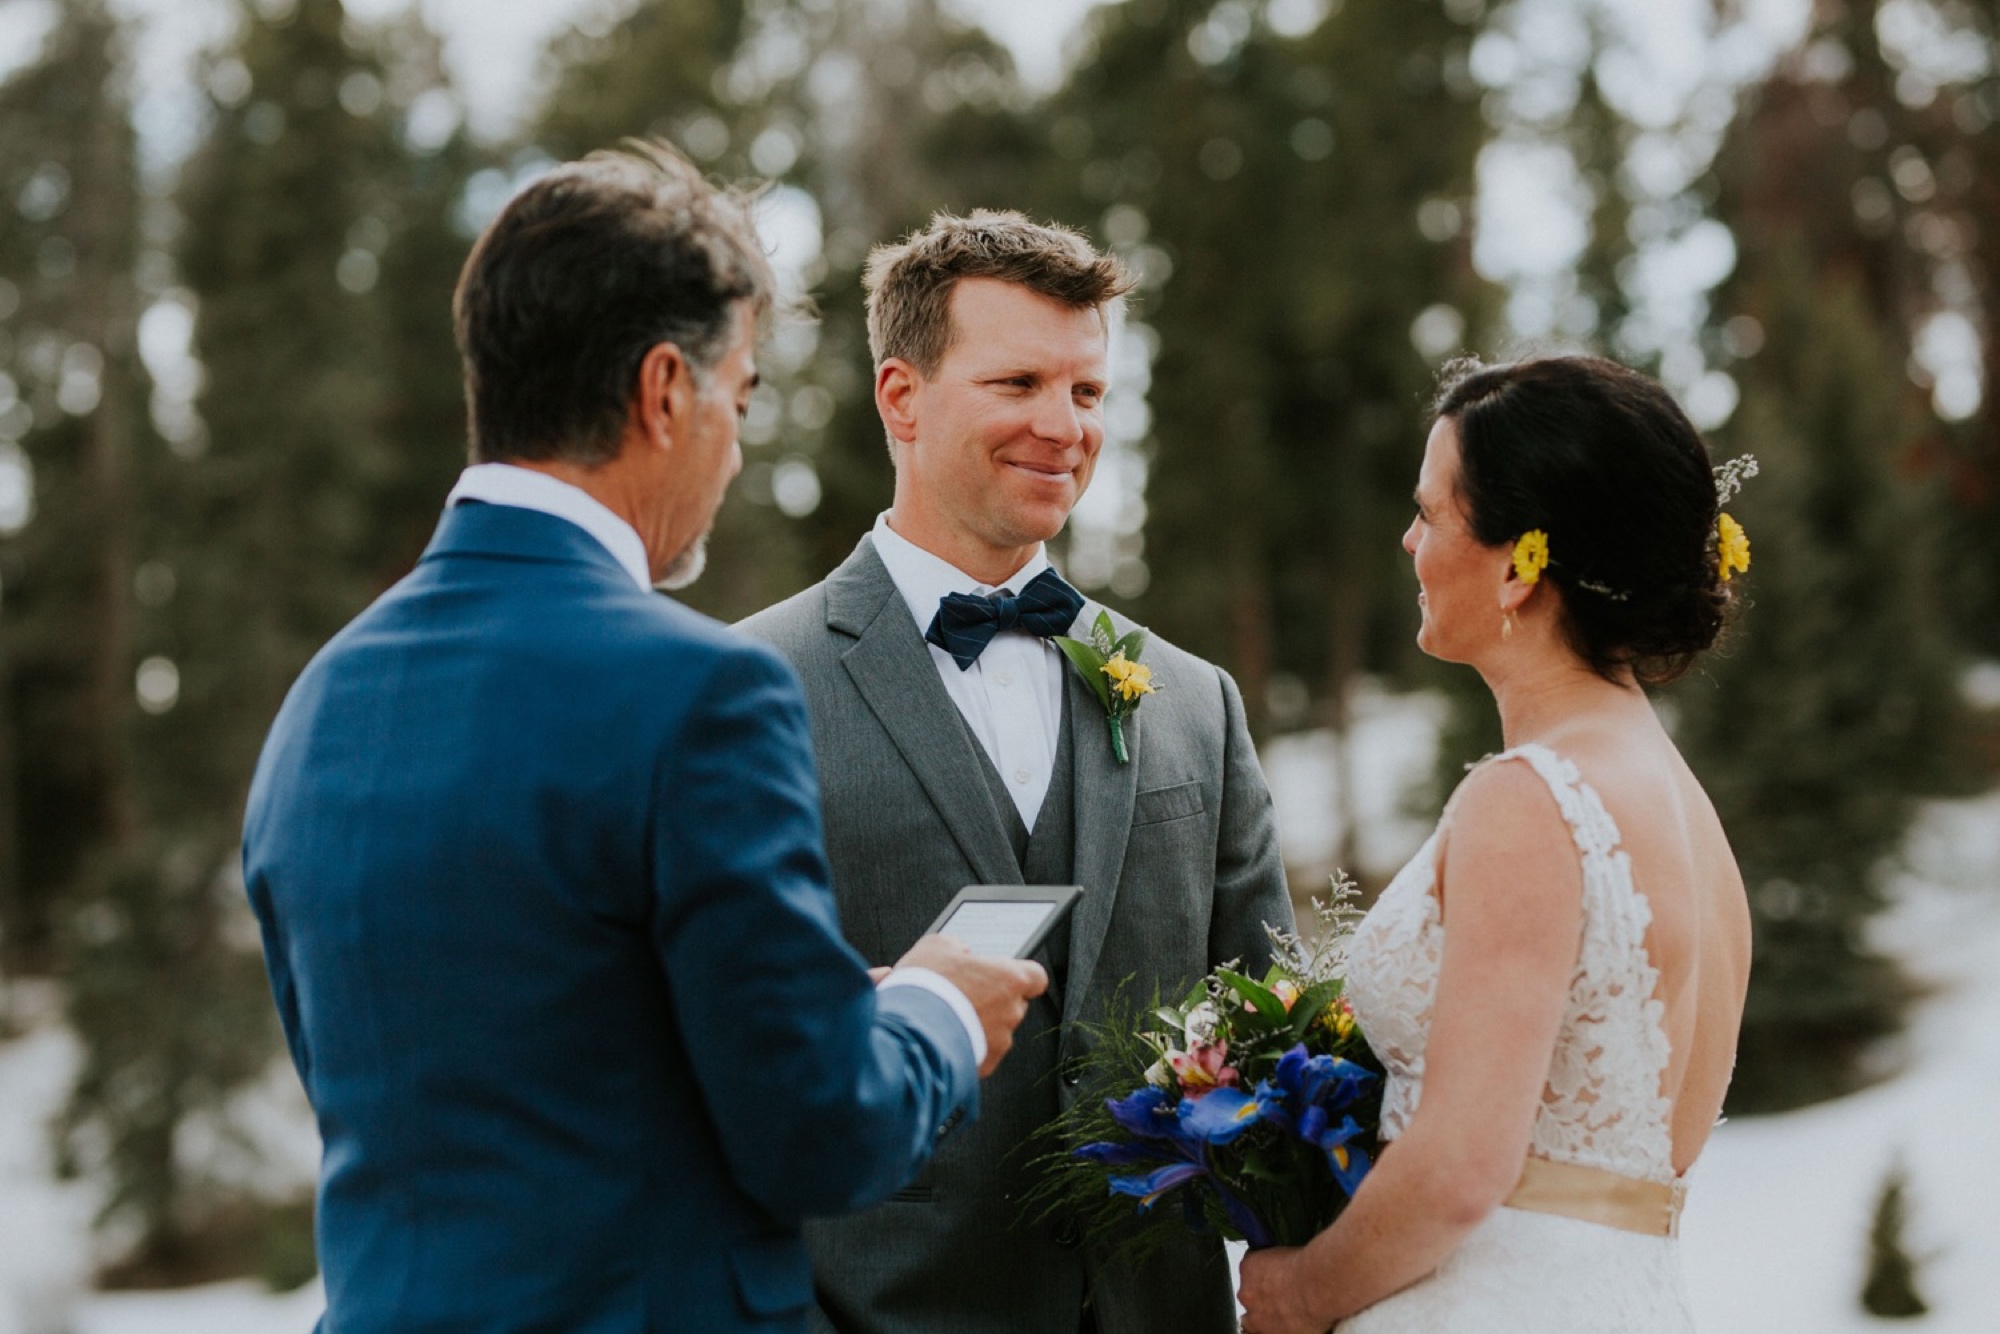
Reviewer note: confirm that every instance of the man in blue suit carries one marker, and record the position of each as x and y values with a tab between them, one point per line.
537	853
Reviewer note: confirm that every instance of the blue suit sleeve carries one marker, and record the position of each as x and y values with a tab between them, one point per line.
277	959
827	1096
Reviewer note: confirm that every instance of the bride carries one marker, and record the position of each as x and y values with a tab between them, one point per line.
1554	983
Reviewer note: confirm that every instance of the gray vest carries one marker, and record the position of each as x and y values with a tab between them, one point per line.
1045	855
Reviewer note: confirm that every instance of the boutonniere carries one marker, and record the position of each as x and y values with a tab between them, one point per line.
1111	667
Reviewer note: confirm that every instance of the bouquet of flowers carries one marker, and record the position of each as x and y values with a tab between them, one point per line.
1254	1103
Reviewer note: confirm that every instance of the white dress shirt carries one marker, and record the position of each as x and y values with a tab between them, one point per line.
1012	696
524	488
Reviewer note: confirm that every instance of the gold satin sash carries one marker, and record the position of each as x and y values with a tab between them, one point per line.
1597	1196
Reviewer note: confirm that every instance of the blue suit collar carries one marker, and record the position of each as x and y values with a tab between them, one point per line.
510	532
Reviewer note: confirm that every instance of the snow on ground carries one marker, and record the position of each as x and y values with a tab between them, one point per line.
1391	749
1777	1221
243	1307
42	1222
1778	1214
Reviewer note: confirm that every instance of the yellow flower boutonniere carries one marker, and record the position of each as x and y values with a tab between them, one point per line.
1111	667
1732	548
1531	555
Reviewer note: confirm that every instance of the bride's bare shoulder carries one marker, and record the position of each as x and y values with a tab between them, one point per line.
1506	836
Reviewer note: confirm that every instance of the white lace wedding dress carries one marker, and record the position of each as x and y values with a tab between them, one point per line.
1602	1107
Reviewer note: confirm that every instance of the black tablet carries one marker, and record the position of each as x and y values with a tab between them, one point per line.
1006	921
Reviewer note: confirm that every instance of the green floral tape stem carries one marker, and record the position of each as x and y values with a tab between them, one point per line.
1110	666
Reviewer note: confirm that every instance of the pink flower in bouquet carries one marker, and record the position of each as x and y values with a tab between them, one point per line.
1202	1069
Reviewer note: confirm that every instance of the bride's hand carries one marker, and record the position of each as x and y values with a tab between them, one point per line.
1275	1290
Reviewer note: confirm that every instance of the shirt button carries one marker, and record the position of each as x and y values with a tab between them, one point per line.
1022	775
1004	678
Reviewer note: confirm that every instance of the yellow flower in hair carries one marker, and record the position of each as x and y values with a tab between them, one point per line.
1531	555
1732	548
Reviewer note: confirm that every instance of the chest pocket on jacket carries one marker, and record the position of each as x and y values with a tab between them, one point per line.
1167	803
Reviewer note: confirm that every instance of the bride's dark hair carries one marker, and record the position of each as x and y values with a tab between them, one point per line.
1602	460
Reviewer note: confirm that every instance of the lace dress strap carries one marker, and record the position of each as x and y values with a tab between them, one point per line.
1595	832
1603	1106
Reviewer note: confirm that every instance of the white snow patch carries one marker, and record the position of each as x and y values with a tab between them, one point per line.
1392	746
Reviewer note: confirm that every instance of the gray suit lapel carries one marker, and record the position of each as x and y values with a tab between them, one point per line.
1103	803
892	669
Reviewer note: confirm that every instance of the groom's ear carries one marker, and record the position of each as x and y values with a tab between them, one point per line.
663	395
896	385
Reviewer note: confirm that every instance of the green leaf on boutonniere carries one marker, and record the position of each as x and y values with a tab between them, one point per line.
1090	664
1103	634
1111	667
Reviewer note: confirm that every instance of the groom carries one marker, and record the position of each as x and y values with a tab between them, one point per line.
537	857
959	748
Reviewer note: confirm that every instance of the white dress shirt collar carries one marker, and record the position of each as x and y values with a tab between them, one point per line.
524	488
923	578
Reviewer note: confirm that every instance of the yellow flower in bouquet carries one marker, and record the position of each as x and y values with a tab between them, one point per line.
1253	1102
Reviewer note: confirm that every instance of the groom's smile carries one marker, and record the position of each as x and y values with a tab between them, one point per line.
997	445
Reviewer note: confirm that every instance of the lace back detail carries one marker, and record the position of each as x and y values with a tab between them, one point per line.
1602	1105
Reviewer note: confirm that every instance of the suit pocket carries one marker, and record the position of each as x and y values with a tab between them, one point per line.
1167	803
773	1276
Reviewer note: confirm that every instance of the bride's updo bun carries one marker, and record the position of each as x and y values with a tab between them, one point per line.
1602	460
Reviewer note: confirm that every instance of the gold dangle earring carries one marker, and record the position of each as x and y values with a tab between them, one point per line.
1507	625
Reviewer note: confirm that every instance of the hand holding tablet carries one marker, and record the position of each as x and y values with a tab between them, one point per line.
1005	921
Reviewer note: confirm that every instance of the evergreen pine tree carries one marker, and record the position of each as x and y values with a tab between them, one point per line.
1281	179
1297	205
1831	709
1890	1290
275	522
417	191
1834	708
1880	174
69	404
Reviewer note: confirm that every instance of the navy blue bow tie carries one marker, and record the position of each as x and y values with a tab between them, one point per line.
966	623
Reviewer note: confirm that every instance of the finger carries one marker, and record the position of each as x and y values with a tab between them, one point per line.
1035	976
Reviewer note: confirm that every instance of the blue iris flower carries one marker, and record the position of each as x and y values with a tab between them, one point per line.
1303	1096
1174	1140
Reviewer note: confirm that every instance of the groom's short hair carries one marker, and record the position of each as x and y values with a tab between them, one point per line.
581	274
910	282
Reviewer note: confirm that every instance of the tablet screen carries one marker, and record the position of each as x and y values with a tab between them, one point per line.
997	928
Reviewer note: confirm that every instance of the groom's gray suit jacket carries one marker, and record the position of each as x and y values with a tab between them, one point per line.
1178	856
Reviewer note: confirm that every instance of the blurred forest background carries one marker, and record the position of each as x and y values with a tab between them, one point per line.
230	409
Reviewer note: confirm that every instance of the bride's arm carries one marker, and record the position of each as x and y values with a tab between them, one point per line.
1512	889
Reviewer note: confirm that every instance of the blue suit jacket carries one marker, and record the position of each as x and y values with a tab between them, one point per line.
537	858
